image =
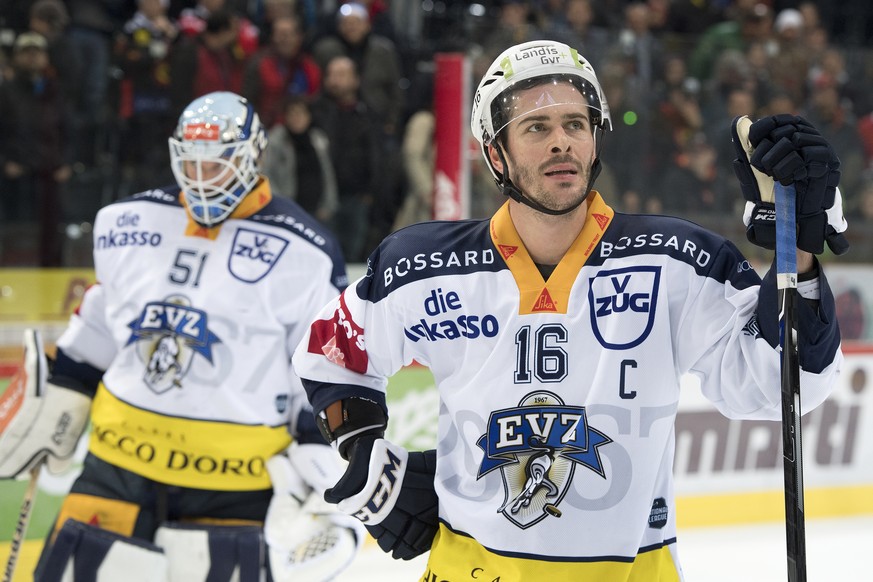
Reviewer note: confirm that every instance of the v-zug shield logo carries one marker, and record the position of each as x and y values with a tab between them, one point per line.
168	334
622	304
537	446
254	254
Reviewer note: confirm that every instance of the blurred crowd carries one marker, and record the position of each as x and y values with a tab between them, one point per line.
90	90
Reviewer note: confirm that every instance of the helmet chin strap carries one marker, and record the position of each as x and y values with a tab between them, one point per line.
509	189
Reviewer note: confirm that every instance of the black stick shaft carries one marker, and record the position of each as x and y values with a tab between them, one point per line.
786	276
792	445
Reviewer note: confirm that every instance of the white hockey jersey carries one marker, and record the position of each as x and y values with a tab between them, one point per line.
558	397
195	329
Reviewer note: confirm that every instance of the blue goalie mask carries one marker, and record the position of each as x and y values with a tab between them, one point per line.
214	154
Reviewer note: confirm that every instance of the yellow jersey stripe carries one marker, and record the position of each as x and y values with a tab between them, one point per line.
459	557
184	452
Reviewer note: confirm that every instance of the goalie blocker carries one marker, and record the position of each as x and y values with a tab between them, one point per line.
307	539
389	489
40	419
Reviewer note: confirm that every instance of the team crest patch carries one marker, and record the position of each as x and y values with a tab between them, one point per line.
254	254
537	446
752	328
622	304
168	334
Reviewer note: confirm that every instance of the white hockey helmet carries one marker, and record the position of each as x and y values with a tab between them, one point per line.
214	154
523	66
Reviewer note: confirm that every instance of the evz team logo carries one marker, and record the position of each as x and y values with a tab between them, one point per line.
537	446
168	334
622	304
254	254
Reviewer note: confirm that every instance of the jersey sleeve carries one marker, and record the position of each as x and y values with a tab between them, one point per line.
88	339
324	283
333	358
727	334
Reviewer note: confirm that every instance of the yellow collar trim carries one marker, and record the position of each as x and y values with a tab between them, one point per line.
535	294
253	202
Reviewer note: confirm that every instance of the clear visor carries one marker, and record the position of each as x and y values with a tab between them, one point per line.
540	93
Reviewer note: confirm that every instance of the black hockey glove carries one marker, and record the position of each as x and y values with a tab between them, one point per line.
789	149
392	492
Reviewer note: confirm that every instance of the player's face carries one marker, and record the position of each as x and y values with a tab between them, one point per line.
214	173
550	150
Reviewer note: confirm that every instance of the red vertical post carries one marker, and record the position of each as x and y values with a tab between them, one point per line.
451	193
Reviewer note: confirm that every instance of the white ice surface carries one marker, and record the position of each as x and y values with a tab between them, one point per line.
838	550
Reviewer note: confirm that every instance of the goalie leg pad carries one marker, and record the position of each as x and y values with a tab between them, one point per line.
38	420
217	553
85	552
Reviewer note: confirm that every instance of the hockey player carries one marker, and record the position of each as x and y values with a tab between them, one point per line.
557	332
180	356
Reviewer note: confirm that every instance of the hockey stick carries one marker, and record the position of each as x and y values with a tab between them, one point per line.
792	461
23	520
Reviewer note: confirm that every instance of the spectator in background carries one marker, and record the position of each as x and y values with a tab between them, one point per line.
208	62
380	18
625	153
419	156
865	132
576	30
93	23
740	101
859	212
747	23
377	13
641	53
266	12
854	90
550	13
297	161
758	79
687	18
778	101
677	117
193	21
791	60
377	62
51	19
515	24
863	209
146	110
732	71
34	151
839	126
693	172
355	153
851	314
280	70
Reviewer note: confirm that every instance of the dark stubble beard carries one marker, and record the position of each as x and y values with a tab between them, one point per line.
525	176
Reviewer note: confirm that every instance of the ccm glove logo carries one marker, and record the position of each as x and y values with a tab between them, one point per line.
764	215
386	469
385	486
